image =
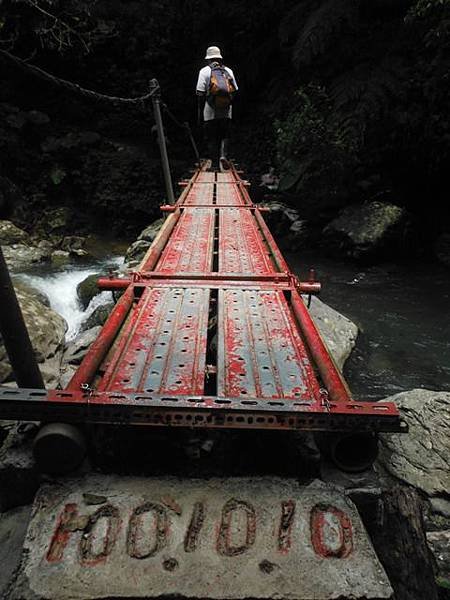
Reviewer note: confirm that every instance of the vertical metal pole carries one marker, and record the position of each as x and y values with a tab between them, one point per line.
194	145
156	102
15	334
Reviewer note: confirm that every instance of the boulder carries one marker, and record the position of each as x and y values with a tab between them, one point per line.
98	317
60	257
67	372
73	242
87	289
285	224
149	233
136	252
280	218
77	348
21	286
442	248
10	234
47	331
38	118
57	220
338	332
439	543
421	457
13	527
366	229
20	257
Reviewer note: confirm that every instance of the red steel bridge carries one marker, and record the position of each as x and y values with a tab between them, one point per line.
211	331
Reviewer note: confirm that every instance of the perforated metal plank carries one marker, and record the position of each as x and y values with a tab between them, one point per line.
190	247
241	246
226	177
166	347
206	176
200	194
228	193
260	352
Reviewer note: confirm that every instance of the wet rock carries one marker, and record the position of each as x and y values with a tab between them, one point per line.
442	249
21	286
13	527
73	242
19	478
98	317
420	457
58	220
38	118
44	244
76	349
439	543
19	257
136	252
60	257
280	218
150	232
363	230
285	224
10	234
338	332
87	289
441	506
67	372
47	332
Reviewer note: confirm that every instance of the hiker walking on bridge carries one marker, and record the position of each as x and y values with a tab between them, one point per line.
216	87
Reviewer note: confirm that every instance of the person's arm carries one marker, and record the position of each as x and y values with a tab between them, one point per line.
201	89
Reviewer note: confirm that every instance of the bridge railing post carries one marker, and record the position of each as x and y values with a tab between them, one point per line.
15	334
156	103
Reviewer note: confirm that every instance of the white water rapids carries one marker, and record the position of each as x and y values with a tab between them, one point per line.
60	287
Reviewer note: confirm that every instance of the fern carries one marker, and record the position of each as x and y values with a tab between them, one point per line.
321	28
289	24
363	95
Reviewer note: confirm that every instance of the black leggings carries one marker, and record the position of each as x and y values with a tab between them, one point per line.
217	131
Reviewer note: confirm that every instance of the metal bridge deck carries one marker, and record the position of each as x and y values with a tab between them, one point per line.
211	331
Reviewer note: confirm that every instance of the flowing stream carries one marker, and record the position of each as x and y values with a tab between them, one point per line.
402	311
60	287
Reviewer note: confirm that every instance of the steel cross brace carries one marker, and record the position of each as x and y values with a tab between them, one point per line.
197	411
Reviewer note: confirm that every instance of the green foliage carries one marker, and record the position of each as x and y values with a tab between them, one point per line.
65	26
384	125
311	150
424	8
320	29
57	175
443	583
362	96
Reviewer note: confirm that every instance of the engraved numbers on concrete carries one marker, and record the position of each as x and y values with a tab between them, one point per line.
149	526
104	536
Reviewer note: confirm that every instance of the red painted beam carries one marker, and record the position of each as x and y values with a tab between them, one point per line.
97	352
329	373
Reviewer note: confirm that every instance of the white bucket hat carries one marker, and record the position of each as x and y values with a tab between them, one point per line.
213	52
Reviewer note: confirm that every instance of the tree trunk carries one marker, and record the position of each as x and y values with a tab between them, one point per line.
400	543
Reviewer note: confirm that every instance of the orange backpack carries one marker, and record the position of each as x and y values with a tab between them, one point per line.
221	87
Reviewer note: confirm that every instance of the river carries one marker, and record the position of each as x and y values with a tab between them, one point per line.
403	313
59	284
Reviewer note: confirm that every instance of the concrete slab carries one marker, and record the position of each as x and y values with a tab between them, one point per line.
111	537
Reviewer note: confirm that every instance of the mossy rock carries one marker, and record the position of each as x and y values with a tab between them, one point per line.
87	289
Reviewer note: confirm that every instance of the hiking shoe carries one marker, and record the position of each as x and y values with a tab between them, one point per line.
224	164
